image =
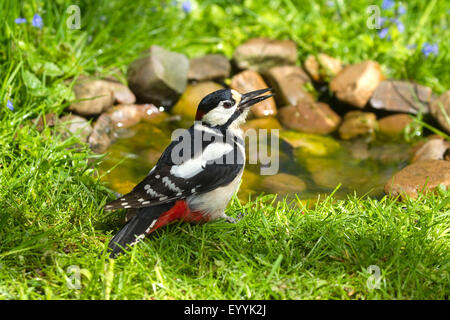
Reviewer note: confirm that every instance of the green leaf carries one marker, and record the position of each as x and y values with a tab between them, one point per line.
52	70
31	81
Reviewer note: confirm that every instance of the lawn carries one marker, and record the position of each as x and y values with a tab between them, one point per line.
54	232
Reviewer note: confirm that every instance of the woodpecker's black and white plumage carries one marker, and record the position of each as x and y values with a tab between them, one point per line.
196	175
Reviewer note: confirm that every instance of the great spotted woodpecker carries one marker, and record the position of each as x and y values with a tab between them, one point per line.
196	175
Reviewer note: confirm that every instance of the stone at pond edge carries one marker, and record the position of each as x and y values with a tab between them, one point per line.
76	125
393	126
283	183
209	67
434	149
261	54
121	93
287	82
401	96
440	110
188	103
356	83
160	77
102	134
247	81
310	117
125	115
95	97
421	175
150	113
358	123
322	67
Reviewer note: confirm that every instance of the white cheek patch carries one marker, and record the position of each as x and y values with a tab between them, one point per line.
219	115
194	166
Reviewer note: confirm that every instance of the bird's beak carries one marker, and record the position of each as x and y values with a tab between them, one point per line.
251	98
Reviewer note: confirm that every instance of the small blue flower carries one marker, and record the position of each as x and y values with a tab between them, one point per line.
383	33
9	105
37	21
387	4
20	20
383	20
187	6
429	48
400	25
401	10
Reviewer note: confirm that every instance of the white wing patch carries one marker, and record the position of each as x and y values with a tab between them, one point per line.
194	166
169	184
152	192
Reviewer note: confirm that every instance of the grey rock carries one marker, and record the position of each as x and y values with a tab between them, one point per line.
401	96
288	83
358	123
160	77
434	149
440	110
421	176
102	135
261	54
93	97
209	67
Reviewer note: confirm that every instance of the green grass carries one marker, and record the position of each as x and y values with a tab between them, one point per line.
51	199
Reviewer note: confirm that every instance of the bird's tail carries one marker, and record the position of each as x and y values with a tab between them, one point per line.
136	228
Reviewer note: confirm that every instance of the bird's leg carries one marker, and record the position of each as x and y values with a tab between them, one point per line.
234	220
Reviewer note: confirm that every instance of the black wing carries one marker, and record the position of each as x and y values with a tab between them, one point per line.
167	182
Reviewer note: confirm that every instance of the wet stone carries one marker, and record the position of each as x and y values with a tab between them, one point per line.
288	82
315	117
401	96
440	110
209	67
247	81
434	149
160	77
421	176
261	54
188	103
394	125
149	112
125	115
356	83
323	67
358	123
102	134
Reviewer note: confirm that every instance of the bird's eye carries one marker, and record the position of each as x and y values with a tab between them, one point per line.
227	104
